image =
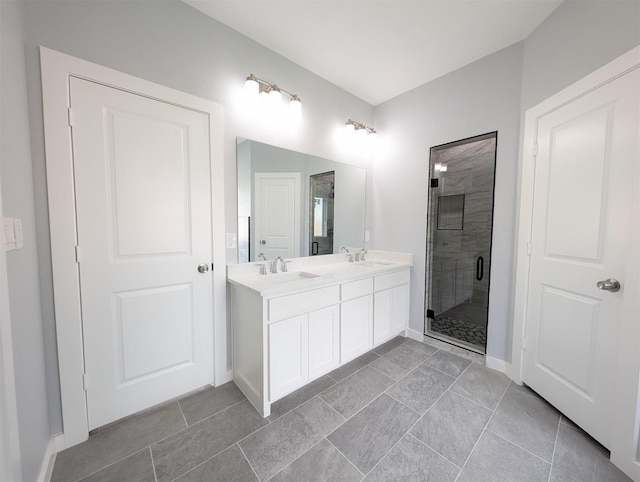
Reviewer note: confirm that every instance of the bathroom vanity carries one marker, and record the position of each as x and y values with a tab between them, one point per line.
292	327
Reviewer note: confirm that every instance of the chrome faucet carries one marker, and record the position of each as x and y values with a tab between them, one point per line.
344	248
360	255
261	255
263	269
274	264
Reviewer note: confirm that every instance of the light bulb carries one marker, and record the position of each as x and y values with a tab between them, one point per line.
275	95
251	84
361	133
349	127
295	106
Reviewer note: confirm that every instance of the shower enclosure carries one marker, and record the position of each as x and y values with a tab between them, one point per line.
459	227
321	218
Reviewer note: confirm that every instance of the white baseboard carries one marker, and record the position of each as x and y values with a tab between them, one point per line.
226	377
56	443
414	335
493	363
498	365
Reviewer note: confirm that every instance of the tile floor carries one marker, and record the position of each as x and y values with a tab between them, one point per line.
460	330
466	322
404	411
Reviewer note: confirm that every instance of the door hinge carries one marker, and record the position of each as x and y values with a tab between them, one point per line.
534	151
529	249
85	381
434	182
78	255
211	266
70	117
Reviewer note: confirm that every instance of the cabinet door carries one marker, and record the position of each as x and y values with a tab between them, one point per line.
382	316
356	327
400	306
324	341
288	356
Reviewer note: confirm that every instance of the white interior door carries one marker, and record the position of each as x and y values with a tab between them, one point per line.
143	200
277	209
584	200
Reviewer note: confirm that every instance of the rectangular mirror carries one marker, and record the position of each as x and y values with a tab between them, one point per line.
292	204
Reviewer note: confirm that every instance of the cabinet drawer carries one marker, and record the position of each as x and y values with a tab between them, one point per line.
291	305
390	280
354	289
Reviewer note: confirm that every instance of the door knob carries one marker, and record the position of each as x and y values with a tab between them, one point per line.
609	285
203	268
263	241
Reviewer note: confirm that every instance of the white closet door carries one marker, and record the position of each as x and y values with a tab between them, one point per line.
143	199
583	206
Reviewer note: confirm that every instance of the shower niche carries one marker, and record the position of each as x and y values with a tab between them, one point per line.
459	231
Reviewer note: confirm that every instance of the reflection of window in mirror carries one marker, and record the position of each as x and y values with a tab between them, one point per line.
319	218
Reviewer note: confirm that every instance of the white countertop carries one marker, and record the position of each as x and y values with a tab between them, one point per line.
314	272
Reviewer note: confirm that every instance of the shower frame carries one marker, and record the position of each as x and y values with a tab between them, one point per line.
429	244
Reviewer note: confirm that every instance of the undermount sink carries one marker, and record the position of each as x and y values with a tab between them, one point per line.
360	265
281	278
349	267
373	263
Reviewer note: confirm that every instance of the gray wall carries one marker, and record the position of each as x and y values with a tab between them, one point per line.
172	44
166	42
493	93
22	264
579	37
479	98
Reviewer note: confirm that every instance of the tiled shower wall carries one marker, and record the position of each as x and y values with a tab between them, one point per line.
470	171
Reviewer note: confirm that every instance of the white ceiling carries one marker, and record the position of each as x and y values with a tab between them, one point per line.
379	49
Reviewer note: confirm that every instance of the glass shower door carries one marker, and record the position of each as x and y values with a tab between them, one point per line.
459	228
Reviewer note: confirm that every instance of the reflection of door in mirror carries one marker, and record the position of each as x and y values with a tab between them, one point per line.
277	208
321	206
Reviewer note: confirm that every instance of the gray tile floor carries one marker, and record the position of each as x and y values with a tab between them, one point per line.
404	411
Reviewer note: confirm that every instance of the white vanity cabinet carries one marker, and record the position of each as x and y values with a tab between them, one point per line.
324	341
303	338
301	349
285	338
356	319
391	301
288	355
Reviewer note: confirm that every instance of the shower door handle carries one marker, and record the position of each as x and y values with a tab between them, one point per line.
479	268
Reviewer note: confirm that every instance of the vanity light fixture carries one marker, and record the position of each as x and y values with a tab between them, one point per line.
257	86
360	130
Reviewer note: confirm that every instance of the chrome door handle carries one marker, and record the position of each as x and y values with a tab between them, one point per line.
203	268
262	241
609	285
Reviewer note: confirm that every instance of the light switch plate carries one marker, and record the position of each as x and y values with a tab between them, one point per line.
9	235
231	240
17	231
